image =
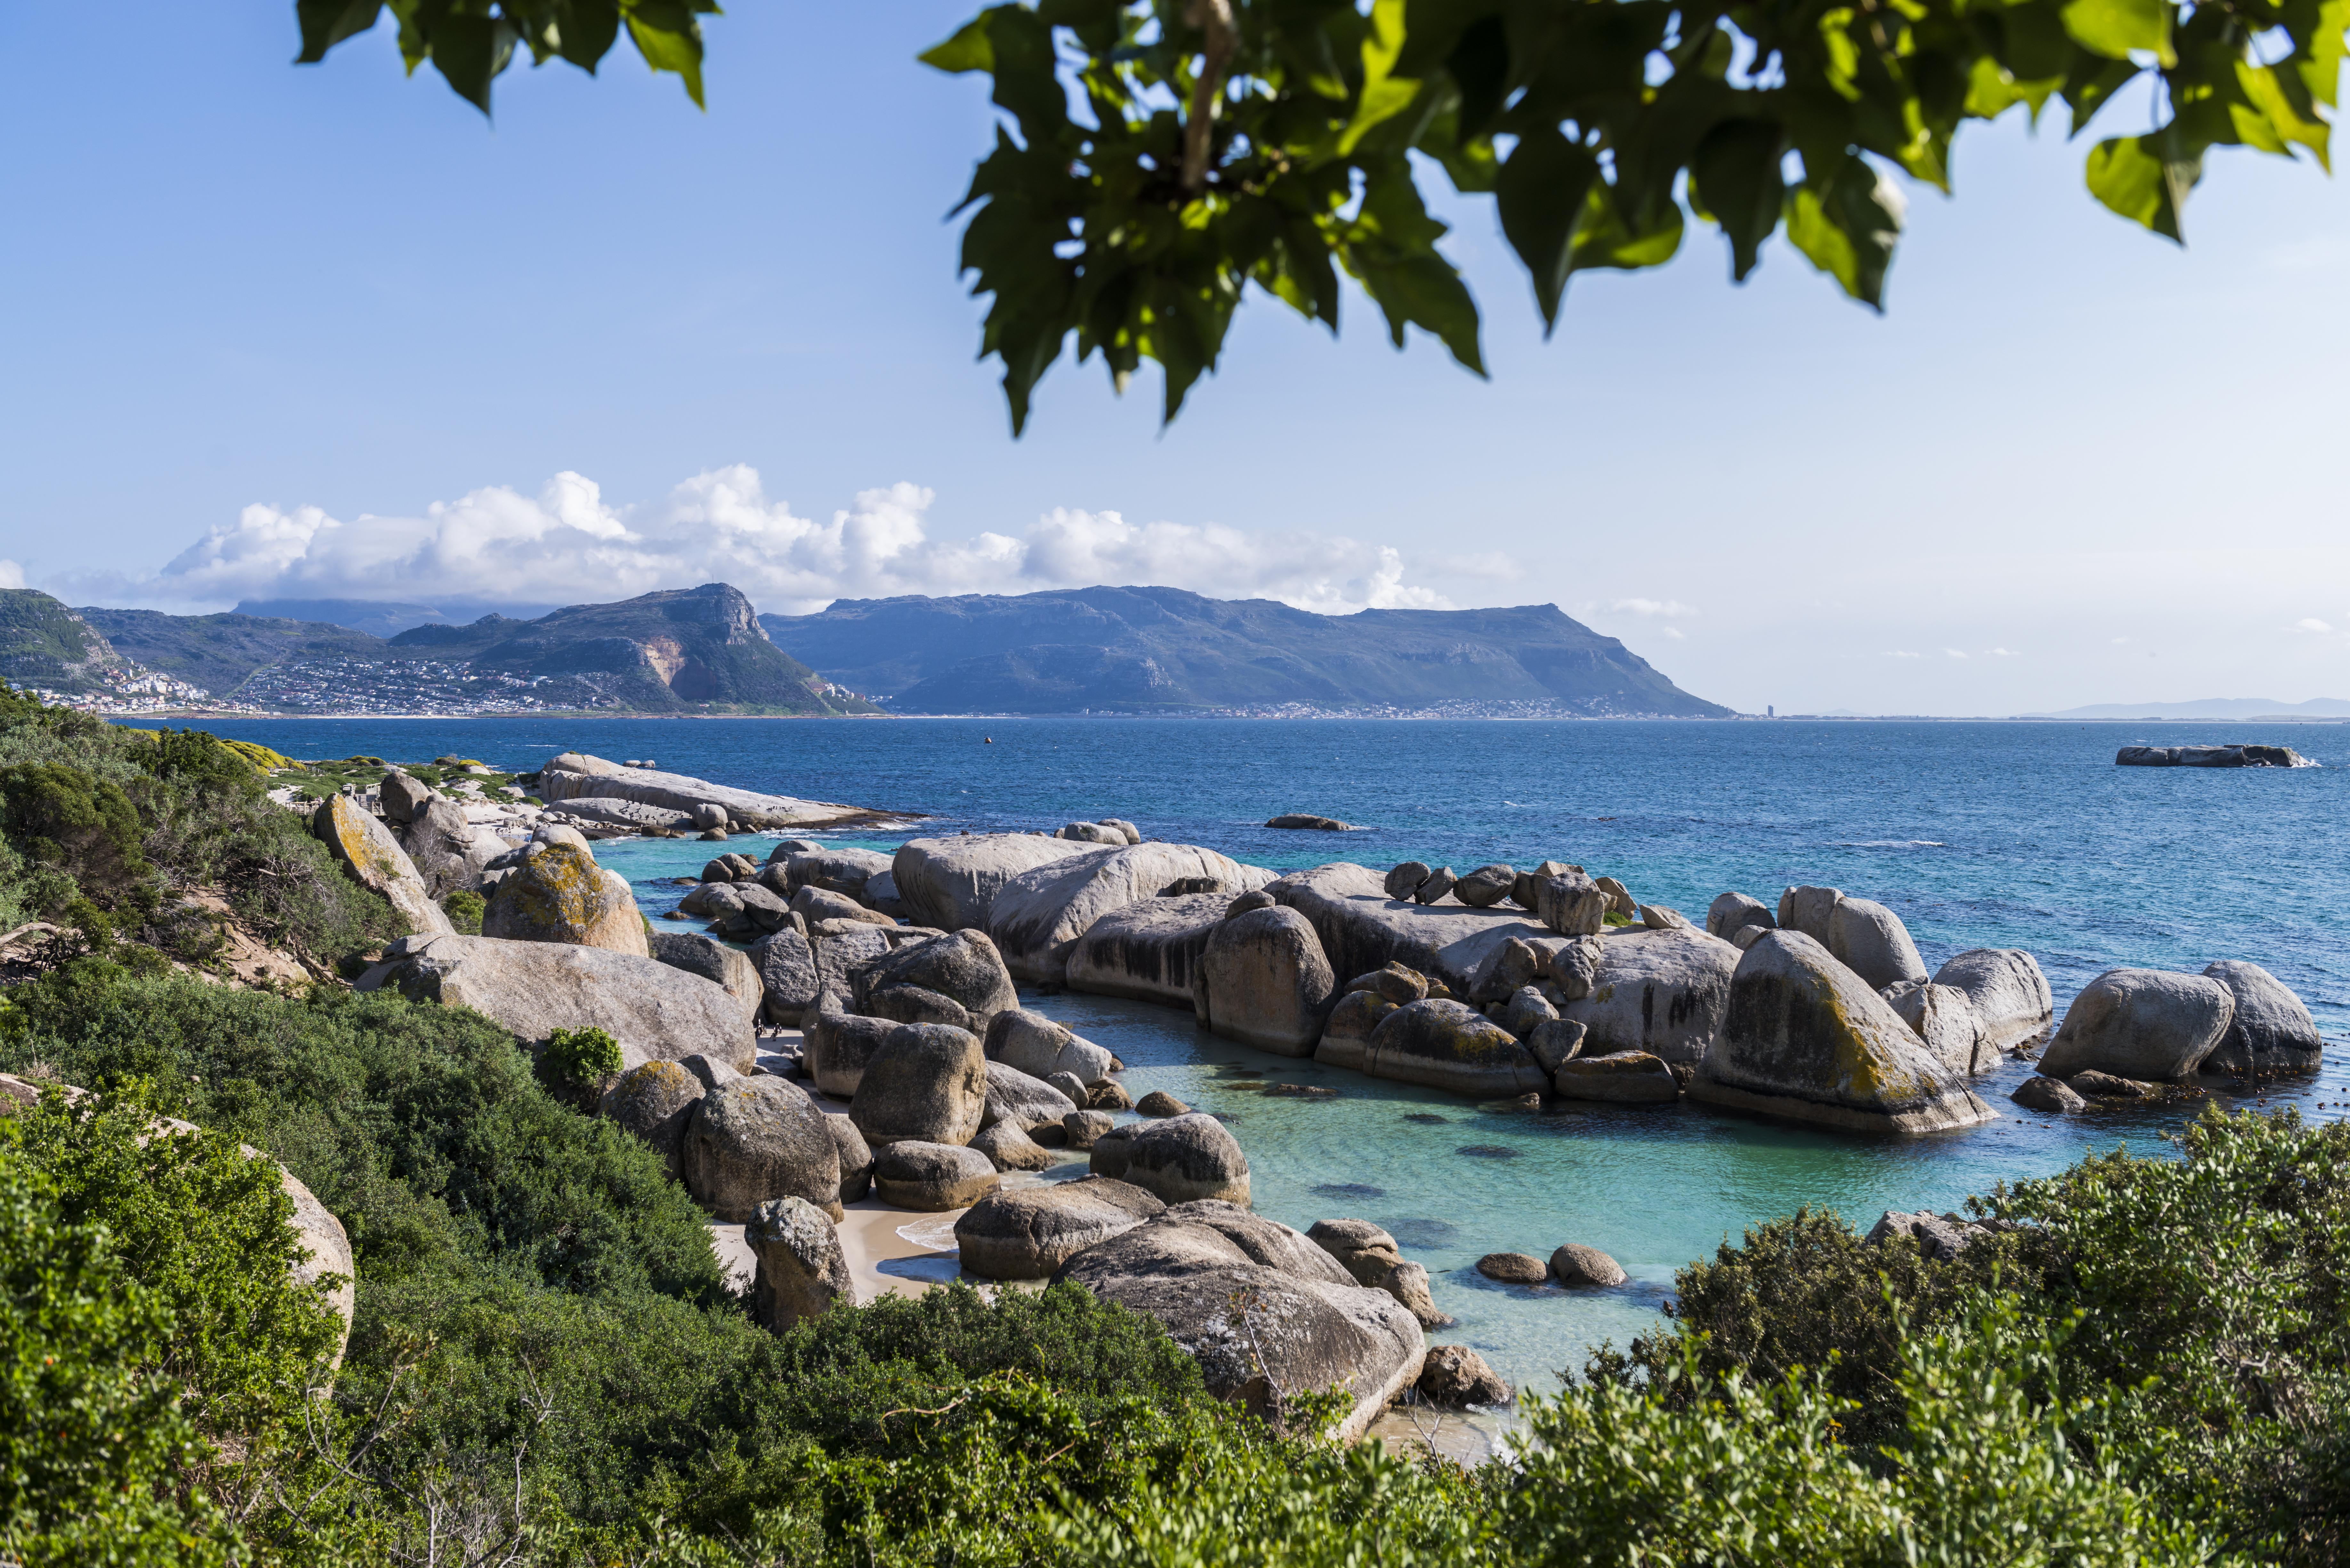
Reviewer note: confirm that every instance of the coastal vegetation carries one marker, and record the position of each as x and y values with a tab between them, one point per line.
2137	1361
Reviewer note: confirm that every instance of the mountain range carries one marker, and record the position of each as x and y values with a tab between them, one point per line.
673	651
1152	650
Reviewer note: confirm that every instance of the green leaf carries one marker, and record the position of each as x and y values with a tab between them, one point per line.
2115	28
669	37
969	50
1603	237
326	23
1540	192
470	51
1735	172
2283	104
1384	96
2135	177
1847	220
2318	28
586	31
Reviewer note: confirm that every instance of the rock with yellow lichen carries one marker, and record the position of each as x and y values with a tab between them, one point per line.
560	894
1807	1039
375	860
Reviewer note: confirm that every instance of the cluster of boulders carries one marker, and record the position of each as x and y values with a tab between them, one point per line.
2138	1033
1573	1265
607	799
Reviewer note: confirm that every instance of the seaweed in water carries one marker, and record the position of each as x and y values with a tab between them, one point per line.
1423	1233
1428	1119
1487	1151
1349	1189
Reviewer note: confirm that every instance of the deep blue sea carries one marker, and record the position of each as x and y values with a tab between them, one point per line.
1978	834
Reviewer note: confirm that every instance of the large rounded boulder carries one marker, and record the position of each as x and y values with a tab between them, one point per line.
1664	993
1037	1046
963	967
2141	1024
655	1102
1451	1045
1039	915
950	883
1811	911
1028	1234
787	976
1870	941
367	850
2270	1030
931	1177
2009	994
1027	1103
1731	913
1942	1017
803	1272
928	1084
731	970
1266	1313
1149	950
839	1046
757	1138
1265	982
558	894
1807	1039
1179	1159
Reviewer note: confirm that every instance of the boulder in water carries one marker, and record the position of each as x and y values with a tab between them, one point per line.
1455	1376
1805	1038
1150	951
2270	1030
1040	1047
1579	1267
1265	982
1942	1017
2052	1096
2141	1024
2009	994
950	883
1306	822
1179	1159
1039	915
1664	993
1451	1045
1870	941
1621	1077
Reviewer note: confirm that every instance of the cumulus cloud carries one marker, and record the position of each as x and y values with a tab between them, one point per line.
1901	653
568	545
1668	607
2310	623
1953	653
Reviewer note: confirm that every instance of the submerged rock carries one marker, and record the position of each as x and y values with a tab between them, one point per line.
1514	1267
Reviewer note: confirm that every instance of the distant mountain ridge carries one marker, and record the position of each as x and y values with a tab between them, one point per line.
673	651
2208	708
1156	650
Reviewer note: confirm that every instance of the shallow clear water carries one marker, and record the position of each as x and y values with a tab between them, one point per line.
2007	834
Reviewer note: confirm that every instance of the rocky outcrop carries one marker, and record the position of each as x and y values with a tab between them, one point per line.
802	1272
1371	1257
2141	1024
731	970
787	976
1265	982
1150	951
1362	929
1731	913
1942	1017
1027	1103
366	850
446	850
1664	993
1807	1039
1449	1045
1029	1233
575	776
1268	1315
837	1047
1810	909
2270	1030
533	989
2210	757
965	967
926	1084
558	894
1179	1159
655	1102
931	1177
759	1139
1572	904
1038	916
1870	941
1622	1077
952	883
2009	996
1454	1377
1579	1267
1039	1047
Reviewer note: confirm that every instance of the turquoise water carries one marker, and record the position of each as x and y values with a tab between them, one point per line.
2010	835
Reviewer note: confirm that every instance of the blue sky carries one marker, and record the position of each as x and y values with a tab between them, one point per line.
2071	463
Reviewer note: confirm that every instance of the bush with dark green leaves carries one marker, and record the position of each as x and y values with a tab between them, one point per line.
582	1055
97	820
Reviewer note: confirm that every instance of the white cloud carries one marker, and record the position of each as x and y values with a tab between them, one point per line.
2310	623
12	576
1899	653
2005	653
1653	607
2120	641
1953	653
1676	633
567	544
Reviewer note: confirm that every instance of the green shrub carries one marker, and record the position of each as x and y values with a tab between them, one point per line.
465	908
579	1056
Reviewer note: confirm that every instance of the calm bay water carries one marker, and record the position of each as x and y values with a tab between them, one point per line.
1998	834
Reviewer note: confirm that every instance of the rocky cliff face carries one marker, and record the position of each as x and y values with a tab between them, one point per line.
43	643
1148	649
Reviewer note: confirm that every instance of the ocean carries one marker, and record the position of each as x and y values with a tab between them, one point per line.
1978	834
